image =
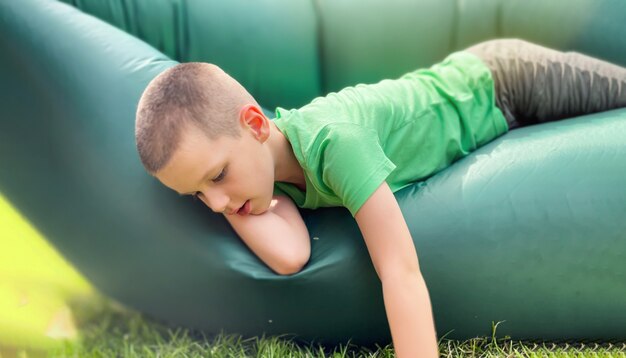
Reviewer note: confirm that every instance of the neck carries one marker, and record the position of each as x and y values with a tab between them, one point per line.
286	167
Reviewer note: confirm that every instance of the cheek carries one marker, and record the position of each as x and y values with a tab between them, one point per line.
204	200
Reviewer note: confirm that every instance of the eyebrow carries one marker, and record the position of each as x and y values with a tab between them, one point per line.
201	180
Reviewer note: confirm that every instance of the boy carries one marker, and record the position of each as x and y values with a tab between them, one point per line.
201	133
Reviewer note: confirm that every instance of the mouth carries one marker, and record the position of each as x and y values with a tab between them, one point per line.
244	209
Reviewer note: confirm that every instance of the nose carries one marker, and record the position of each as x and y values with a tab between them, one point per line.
217	201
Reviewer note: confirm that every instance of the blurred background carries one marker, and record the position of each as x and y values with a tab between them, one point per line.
35	286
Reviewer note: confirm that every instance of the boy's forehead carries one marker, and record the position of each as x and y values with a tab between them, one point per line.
186	177
195	160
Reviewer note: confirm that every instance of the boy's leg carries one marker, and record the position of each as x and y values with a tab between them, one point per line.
536	84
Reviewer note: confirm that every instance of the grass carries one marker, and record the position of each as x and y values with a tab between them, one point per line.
108	329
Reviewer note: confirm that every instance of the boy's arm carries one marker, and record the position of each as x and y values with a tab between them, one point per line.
405	293
278	237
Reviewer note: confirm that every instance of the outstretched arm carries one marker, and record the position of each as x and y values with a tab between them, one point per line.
394	256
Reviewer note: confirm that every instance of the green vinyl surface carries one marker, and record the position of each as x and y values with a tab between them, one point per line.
528	229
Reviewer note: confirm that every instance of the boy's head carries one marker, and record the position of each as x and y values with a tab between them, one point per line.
199	131
189	96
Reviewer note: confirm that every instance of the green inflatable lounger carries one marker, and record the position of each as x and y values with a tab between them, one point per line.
529	229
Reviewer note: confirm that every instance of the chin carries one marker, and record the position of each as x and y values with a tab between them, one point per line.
266	207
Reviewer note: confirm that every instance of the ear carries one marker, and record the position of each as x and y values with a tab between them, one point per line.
252	118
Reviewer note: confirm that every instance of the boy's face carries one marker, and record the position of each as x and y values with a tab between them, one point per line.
227	172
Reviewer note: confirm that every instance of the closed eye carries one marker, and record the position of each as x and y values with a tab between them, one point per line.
218	179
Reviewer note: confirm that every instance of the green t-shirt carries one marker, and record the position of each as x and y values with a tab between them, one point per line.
402	131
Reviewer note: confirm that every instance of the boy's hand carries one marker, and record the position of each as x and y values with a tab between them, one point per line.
394	256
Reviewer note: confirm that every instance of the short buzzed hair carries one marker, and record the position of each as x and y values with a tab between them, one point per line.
193	95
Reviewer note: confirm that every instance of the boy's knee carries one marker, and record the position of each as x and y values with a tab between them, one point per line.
488	48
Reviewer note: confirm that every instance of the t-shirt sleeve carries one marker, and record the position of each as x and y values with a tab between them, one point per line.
278	191
354	163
